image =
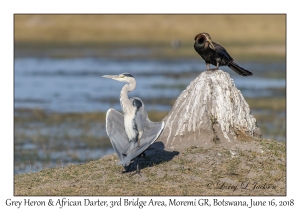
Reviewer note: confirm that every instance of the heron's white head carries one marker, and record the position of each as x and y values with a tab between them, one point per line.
124	77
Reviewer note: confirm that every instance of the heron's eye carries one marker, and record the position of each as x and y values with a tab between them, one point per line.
121	76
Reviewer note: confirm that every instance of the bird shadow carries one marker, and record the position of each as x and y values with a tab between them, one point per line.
154	155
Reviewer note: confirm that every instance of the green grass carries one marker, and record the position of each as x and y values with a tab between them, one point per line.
59	138
267	103
270	115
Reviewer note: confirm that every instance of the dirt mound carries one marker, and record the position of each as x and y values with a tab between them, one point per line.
211	110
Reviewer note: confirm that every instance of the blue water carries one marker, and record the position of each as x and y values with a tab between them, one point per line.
76	85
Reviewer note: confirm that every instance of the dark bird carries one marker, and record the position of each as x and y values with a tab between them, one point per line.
215	54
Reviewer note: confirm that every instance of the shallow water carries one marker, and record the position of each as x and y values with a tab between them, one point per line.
76	85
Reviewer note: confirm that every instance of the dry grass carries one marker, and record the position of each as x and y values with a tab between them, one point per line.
195	171
257	37
149	29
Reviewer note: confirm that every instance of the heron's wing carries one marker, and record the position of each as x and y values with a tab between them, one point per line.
151	133
134	153
116	132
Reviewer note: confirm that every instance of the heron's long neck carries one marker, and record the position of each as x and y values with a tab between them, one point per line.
124	96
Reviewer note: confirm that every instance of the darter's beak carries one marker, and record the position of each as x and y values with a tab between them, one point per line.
211	45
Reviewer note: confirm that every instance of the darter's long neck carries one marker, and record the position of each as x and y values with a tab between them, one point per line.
124	96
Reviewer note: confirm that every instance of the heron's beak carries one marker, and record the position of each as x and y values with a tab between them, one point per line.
115	77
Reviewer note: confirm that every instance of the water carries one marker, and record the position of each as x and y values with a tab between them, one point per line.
76	85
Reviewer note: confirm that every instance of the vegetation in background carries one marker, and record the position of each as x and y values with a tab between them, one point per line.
71	138
243	35
248	29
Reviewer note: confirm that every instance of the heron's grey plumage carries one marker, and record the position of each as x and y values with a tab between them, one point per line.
132	133
119	140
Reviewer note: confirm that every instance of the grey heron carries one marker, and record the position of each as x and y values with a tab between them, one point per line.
132	133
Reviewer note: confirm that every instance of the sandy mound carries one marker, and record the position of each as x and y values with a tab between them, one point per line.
210	111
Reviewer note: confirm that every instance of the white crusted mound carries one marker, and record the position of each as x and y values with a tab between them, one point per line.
210	110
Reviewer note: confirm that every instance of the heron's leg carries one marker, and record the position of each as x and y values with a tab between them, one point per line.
143	155
137	167
127	167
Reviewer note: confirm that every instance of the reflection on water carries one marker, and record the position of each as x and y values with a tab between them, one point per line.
76	85
68	85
